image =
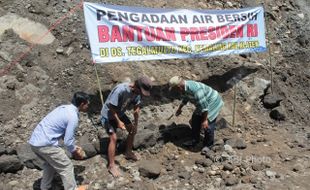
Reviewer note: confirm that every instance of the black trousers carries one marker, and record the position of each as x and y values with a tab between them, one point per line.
208	133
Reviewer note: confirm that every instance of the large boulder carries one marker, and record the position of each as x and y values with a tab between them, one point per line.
149	168
278	113
88	146
28	157
174	132
236	143
10	164
145	138
271	101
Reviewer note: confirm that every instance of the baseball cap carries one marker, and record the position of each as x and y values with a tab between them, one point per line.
145	85
174	81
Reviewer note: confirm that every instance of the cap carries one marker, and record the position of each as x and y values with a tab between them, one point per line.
174	81
145	85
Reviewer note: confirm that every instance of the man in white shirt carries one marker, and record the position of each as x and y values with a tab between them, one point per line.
59	124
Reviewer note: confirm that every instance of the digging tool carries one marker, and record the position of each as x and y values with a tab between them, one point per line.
170	117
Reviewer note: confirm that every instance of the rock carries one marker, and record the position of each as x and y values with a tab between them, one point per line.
6	56
2	150
13	183
225	156
246	179
229	4
28	157
11	151
87	146
228	167
259	87
254	180
270	174
298	167
236	143
97	186
145	139
27	93
211	155
229	149
230	181
271	101
211	172
169	167
149	168
10	164
258	166
278	114
217	148
222	124
111	185
219	142
184	175
11	85
301	15
60	50
175	132
205	150
204	162
69	51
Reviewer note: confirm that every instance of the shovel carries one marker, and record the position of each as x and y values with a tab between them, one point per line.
171	116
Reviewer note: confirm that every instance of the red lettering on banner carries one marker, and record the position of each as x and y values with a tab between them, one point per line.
103	33
252	30
139	30
132	33
194	33
150	34
211	33
116	34
128	34
184	32
170	34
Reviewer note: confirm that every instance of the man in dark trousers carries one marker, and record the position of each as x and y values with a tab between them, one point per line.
208	103
113	116
59	124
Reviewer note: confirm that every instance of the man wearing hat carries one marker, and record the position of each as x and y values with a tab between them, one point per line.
208	104
113	116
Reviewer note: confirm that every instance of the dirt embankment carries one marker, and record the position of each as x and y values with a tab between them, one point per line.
258	153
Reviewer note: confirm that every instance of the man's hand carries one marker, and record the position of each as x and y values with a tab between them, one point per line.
205	124
121	125
78	153
178	112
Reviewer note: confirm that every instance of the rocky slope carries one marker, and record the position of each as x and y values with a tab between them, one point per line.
268	148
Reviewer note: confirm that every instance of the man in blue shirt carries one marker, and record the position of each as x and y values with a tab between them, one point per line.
59	124
208	103
113	116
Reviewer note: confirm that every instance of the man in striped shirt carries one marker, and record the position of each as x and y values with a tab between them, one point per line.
208	104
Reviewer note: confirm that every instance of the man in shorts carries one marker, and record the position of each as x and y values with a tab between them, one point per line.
113	116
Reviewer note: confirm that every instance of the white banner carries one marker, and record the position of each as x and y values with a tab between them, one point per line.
122	33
